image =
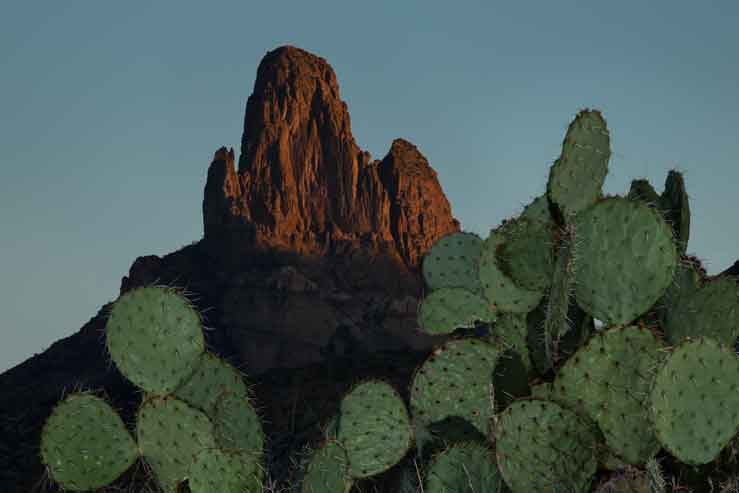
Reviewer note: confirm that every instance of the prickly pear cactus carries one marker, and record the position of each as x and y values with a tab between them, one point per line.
85	444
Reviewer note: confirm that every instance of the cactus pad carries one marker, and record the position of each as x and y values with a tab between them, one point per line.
695	400
225	471
446	309
327	470
576	178
456	380
498	288
237	424
542	446
711	310
624	259
155	338
85	444
170	434
452	262
464	468
610	378
211	378
374	428
527	254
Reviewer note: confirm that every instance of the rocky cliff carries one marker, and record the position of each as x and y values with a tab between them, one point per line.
308	274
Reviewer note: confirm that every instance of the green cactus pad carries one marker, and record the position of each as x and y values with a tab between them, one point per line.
211	378
695	400
237	424
498	288
576	178
581	326
456	380
452	262
537	210
610	377
170	433
676	206
85	444
225	471
644	191
327	470
542	446
446	309
625	259
155	338
711	310
509	332
527	254
464	468
374	428
556	324
543	391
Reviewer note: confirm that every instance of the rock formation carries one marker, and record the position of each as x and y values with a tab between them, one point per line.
308	274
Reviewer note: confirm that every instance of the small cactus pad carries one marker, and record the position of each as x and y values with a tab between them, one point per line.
155	338
85	444
211	378
498	288
610	377
456	380
327	471
625	258
225	471
676	206
464	468
170	434
237	424
446	309
711	310
644	191
452	262
576	178
527	254
509	332
695	400
542	446
374	428
537	210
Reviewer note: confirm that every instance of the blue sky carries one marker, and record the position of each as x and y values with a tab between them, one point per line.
112	112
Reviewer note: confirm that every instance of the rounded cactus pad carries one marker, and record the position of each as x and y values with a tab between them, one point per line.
446	309
676	206
85	444
711	310
211	378
644	191
464	468
237	424
609	378
327	470
576	178
537	210
624	259
695	400
527	254
456	380
452	262
225	471
374	428
155	338
497	287
541	446
170	434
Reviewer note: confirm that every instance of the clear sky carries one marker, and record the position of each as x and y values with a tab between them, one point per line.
111	112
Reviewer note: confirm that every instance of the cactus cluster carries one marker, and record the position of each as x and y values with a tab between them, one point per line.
195	423
528	394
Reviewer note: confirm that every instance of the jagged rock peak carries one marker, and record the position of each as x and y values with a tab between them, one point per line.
304	186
